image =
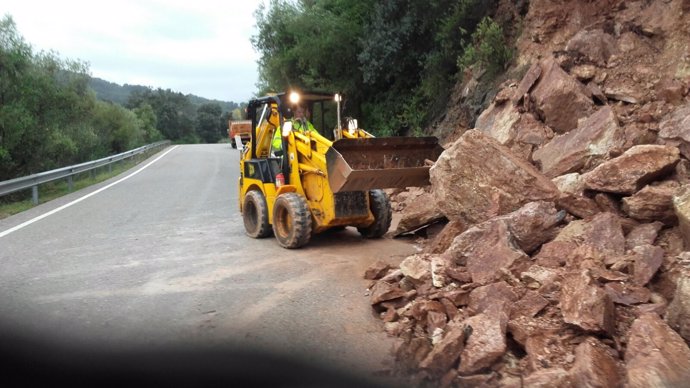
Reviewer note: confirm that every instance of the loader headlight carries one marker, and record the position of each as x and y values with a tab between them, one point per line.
294	97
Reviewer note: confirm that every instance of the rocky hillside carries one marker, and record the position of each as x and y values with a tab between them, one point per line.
564	253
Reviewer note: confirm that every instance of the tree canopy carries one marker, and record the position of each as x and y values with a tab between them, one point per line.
396	61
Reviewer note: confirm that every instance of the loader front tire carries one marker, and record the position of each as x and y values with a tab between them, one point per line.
380	206
255	215
291	220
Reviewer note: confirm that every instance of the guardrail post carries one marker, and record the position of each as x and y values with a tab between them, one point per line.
70	184
110	168
34	194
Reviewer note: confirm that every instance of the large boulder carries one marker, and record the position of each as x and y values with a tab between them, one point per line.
596	45
559	98
656	355
629	172
477	178
584	147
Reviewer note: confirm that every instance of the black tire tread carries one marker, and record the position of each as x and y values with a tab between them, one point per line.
380	206
263	228
300	229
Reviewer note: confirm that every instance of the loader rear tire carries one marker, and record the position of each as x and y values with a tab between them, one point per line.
291	220
380	206
255	215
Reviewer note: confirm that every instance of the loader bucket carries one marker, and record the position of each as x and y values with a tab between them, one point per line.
380	163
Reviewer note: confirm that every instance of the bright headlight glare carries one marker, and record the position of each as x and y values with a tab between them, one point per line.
338	98
294	97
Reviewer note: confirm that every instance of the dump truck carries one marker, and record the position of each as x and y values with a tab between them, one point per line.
239	129
321	180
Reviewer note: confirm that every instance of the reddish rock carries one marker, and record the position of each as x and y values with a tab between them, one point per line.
537	276
411	353
377	270
596	45
595	366
529	305
578	205
457	297
584	147
420	308
522	327
653	203
643	234
548	378
656	355
585	304
560	99
459	274
634	169
418	213
647	260
477	179
487	340
681	205
481	298
627	294
529	130
383	291
544	351
534	224
675	129
570	183
670	90
446	352
442	241
678	315
603	232
488	250
555	254
498	121
435	324
416	267
527	81
607	203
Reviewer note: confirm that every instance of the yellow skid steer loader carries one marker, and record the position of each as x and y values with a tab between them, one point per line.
316	181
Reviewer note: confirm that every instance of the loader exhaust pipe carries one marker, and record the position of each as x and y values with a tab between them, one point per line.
381	163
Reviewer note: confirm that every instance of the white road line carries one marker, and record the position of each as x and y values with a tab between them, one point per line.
65	206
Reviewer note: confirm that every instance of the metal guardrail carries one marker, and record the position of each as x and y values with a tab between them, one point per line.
32	181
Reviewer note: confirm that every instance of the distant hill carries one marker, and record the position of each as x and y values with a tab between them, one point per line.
116	93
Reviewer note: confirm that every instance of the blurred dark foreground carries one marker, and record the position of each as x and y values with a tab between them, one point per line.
29	361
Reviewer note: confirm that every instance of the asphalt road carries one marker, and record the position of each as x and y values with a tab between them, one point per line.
161	258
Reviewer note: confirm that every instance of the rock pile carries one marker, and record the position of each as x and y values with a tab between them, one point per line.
565	260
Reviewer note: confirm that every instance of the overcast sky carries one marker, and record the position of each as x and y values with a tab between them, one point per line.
192	46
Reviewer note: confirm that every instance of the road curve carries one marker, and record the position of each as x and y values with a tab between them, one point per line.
161	258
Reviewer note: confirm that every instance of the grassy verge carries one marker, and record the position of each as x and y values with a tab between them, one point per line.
21	200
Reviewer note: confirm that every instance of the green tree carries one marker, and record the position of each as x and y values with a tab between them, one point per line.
208	116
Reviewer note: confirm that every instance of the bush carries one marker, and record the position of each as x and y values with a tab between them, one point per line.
487	50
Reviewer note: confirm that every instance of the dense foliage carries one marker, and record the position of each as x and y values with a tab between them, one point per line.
395	60
50	117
